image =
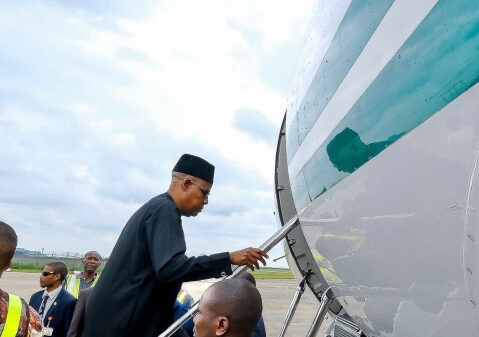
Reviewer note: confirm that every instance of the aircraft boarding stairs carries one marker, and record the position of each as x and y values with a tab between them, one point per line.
342	327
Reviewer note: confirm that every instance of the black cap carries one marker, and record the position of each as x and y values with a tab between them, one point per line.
196	167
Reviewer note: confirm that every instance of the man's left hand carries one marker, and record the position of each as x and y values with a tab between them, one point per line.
249	257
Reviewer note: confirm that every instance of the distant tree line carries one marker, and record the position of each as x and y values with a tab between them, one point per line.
30	260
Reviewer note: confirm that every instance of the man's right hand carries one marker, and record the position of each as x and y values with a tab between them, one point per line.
249	257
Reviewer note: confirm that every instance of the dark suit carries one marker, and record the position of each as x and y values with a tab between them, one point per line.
78	320
61	311
259	330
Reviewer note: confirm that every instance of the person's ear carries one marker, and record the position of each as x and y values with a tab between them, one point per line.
222	325
9	264
57	277
184	184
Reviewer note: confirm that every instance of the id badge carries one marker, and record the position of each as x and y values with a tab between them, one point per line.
47	331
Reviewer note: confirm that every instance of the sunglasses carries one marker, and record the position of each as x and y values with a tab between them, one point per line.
206	193
48	273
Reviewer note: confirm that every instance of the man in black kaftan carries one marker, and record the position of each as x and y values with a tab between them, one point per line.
138	287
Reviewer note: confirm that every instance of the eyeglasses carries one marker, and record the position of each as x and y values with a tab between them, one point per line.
206	193
48	273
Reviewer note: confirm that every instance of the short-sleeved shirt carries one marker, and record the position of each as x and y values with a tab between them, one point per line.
83	283
30	322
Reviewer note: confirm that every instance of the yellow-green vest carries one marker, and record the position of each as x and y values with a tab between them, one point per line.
73	284
14	315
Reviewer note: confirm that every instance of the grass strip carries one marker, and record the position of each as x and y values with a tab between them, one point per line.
273	273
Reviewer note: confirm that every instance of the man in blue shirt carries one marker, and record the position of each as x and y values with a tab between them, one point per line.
182	308
259	329
229	308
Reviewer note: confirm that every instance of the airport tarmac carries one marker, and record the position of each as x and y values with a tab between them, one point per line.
276	295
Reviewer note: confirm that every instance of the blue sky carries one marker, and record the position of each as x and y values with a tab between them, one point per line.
99	99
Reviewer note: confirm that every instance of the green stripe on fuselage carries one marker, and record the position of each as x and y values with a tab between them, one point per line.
437	63
358	25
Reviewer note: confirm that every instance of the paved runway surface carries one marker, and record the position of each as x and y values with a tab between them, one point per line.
276	294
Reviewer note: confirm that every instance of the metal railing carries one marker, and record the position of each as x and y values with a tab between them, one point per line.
270	243
294	304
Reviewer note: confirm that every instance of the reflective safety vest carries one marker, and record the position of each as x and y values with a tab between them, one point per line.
73	284
185	298
14	314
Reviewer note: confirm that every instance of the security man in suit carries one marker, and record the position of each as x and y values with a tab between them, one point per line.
54	304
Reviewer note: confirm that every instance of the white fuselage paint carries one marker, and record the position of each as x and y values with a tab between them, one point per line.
471	233
402	231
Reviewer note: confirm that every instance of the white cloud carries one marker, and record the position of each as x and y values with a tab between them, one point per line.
97	103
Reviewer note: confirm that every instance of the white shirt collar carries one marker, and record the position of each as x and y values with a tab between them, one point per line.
52	294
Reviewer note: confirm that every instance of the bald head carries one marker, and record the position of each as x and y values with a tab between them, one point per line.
229	308
248	277
8	244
